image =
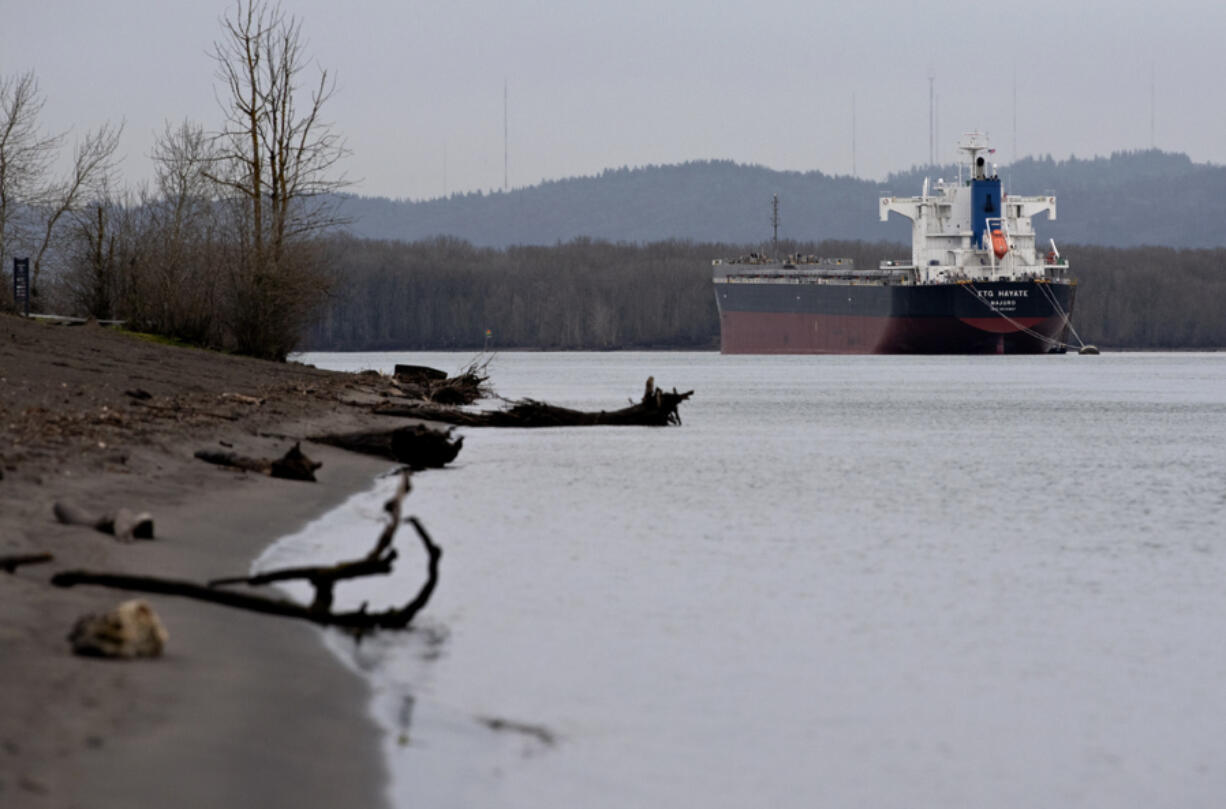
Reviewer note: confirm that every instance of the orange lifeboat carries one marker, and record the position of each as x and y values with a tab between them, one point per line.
999	245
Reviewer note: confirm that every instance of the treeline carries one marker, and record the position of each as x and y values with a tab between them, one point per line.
1149	297
445	294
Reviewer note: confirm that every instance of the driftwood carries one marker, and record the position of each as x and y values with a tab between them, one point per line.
539	732
322	578
293	465
422	383
123	524
417	446
9	564
465	388
655	409
417	373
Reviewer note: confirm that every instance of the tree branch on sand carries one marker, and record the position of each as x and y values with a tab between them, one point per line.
9	564
417	446
323	578
293	465
124	524
655	409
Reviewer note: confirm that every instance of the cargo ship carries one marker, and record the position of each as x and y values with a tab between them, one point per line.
977	282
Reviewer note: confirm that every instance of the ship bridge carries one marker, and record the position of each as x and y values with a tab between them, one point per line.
970	229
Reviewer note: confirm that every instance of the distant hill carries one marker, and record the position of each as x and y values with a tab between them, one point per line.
1128	199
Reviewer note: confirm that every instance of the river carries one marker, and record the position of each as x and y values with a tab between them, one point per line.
843	581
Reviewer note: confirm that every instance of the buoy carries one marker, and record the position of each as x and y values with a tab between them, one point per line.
999	245
1089	350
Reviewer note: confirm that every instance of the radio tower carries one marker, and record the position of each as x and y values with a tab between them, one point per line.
775	226
1013	156
853	134
506	149
932	153
1153	143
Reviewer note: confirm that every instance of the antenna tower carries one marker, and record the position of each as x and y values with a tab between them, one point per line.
932	159
506	149
775	226
1013	155
1153	143
853	134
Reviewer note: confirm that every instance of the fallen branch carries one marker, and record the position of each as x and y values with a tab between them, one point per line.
123	524
417	446
539	732
379	560
467	387
431	385
655	409
9	564
293	465
417	373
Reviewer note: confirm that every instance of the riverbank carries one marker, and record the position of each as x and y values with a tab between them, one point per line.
242	709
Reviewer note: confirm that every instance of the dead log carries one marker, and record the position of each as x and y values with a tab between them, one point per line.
9	564
467	387
123	524
417	373
378	560
293	465
416	446
656	409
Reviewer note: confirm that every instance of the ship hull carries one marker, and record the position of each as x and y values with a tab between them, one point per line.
983	318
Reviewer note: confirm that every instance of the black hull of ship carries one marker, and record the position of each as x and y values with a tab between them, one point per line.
810	318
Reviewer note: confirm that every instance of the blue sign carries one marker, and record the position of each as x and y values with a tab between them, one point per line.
21	284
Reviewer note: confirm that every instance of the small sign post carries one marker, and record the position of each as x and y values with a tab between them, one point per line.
21	285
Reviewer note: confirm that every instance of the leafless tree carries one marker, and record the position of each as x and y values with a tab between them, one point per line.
101	249
26	155
86	181
175	291
277	158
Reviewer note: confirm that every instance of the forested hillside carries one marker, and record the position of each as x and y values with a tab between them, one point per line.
1127	199
596	295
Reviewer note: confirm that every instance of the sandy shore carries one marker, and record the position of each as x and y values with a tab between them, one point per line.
243	710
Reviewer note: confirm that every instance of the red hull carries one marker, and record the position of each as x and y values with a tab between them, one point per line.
806	333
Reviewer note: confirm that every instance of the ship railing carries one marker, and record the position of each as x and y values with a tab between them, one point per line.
859	276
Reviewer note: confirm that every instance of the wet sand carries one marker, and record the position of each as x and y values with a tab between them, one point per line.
243	709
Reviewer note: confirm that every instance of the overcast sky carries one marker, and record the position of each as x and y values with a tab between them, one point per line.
610	83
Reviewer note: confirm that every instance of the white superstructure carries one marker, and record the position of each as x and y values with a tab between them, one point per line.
971	230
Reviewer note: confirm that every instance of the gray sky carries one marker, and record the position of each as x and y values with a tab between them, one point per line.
603	84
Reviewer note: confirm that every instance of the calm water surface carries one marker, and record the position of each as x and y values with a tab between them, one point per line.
845	581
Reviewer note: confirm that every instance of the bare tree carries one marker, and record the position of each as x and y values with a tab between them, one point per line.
26	155
101	248
175	288
276	159
86	181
